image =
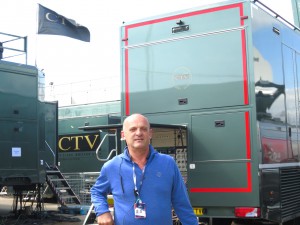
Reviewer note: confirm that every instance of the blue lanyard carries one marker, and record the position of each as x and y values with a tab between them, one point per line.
136	191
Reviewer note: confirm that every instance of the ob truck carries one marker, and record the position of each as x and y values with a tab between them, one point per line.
28	134
221	83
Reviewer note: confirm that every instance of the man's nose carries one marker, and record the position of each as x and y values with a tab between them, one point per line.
138	131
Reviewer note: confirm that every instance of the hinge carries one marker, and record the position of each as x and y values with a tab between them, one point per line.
244	17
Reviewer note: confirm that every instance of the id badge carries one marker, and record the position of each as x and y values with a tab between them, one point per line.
140	210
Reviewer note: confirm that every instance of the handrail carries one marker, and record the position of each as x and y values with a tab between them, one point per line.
53	153
88	214
108	157
102	141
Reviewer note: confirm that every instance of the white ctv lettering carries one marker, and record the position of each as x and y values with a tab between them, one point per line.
55	18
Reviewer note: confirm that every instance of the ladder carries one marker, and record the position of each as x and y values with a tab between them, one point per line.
60	187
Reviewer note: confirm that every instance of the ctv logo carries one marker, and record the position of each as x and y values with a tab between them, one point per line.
182	78
85	142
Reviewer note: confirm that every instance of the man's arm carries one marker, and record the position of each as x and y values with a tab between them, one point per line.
99	193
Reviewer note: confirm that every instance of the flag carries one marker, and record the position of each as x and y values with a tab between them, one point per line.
52	23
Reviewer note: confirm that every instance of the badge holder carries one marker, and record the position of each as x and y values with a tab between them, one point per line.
139	208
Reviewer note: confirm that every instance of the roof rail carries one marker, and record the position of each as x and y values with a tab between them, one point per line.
13	48
276	15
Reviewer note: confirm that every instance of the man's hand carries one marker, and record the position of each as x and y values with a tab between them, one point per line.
105	219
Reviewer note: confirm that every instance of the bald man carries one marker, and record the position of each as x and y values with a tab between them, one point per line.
145	184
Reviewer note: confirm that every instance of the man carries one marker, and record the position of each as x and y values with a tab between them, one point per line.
145	184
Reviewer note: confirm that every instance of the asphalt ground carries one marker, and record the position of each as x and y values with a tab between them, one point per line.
48	214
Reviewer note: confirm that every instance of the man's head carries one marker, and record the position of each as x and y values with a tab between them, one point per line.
136	132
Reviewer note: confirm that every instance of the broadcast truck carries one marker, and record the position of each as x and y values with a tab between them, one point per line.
28	123
219	85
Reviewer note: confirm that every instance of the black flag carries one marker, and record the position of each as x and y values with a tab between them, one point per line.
52	23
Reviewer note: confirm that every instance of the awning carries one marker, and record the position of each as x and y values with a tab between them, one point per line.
119	127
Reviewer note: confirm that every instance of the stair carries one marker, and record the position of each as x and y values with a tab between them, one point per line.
60	187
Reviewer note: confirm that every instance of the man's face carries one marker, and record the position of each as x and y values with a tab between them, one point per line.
137	132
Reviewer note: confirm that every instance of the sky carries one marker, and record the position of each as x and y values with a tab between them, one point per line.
67	60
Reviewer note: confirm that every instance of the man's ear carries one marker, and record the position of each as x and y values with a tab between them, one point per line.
150	133
122	136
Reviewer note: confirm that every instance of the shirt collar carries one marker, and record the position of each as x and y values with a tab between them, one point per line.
151	154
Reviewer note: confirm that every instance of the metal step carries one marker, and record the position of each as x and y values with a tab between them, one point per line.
64	191
68	196
57	179
52	171
63	188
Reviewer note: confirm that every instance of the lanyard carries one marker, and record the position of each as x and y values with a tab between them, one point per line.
136	191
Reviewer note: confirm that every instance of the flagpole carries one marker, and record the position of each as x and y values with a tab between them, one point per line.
36	34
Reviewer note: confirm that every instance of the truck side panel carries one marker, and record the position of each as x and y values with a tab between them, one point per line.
185	67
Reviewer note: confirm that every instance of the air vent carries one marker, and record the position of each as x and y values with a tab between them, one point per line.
290	186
